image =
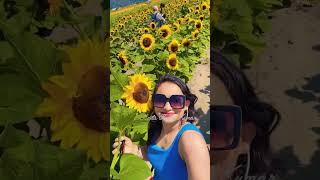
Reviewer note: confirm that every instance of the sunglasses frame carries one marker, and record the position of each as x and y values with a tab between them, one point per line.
168	100
236	111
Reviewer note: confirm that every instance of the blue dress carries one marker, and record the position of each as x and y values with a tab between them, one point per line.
167	163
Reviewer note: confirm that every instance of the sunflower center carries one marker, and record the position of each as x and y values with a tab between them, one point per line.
187	43
173	62
122	59
152	25
174	48
198	25
141	93
90	106
146	42
164	33
204	7
201	18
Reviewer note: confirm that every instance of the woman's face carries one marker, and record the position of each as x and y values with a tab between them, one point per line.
167	113
224	162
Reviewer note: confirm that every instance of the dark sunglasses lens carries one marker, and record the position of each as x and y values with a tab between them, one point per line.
222	129
159	100
177	101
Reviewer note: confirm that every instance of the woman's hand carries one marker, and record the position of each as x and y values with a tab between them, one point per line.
128	147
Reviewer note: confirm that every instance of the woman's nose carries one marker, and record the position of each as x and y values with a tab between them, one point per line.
167	106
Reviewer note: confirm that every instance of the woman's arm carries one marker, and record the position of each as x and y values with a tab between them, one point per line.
193	150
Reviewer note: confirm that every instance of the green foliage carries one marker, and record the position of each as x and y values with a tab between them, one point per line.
238	33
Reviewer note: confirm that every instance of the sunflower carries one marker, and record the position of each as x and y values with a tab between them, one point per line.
186	42
173	46
190	10
201	17
138	93
187	19
165	31
176	27
120	26
195	34
54	6
198	24
172	62
204	6
76	102
146	30
180	21
197	7
152	25
123	58
147	42
196	12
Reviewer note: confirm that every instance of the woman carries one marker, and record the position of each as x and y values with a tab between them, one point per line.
252	157
175	148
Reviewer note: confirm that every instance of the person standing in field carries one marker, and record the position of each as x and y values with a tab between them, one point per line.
157	17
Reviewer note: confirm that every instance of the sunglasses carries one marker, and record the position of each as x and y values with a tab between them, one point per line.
225	124
176	101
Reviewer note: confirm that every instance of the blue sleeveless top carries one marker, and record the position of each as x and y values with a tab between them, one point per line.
167	163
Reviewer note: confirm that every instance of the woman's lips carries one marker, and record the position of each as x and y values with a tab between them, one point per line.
167	114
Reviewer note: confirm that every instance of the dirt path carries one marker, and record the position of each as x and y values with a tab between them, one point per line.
199	85
287	75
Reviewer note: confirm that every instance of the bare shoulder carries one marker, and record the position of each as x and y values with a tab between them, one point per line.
191	142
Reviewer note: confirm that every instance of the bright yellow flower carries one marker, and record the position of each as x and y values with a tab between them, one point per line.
152	25
172	62
76	102
173	46
138	93
186	42
195	34
123	58
165	31
198	24
147	42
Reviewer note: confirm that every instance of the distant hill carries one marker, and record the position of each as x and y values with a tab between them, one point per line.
121	3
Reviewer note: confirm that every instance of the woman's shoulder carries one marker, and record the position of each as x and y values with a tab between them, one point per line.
190	132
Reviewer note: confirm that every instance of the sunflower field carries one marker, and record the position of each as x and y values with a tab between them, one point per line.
141	51
53	120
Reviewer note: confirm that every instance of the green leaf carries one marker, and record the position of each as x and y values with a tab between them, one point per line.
16	24
148	67
115	92
38	54
133	168
119	77
122	117
18	100
261	20
6	50
37	160
95	173
190	51
11	137
251	42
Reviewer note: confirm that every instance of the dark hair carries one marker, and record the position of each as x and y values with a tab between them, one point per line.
263	115
155	126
